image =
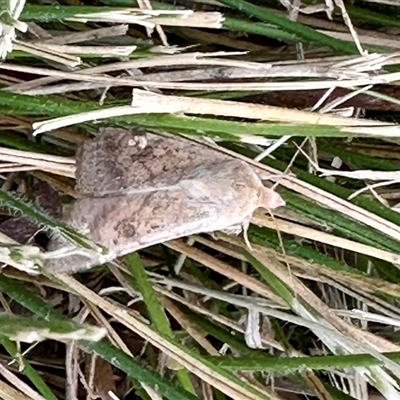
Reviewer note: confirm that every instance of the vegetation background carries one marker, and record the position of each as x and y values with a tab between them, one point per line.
307	89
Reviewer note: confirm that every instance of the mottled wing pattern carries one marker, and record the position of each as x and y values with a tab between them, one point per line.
134	198
125	224
119	162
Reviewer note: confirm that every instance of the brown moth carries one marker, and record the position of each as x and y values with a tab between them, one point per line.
138	191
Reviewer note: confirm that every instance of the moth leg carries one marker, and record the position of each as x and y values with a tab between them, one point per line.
238	228
246	239
231	230
212	234
245	227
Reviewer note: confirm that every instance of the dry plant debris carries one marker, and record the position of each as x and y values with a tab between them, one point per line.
137	141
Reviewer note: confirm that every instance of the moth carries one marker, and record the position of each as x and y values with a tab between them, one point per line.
140	190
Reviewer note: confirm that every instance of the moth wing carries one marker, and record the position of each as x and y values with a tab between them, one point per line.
121	162
124	224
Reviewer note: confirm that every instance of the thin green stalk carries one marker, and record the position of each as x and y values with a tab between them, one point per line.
22	327
16	104
279	287
47	13
288	365
28	370
156	311
302	31
260	29
18	292
269	237
340	223
115	356
137	371
364	15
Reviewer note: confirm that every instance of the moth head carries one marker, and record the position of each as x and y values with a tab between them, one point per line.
269	199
